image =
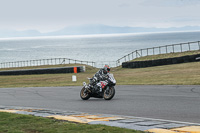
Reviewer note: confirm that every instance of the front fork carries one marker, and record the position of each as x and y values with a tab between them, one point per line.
86	86
107	89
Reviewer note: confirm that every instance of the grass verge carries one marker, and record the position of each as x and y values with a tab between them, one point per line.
177	74
168	55
46	80
17	123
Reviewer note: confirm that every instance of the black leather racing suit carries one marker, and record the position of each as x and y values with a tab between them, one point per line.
99	76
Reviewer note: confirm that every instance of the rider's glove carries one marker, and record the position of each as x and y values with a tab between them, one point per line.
94	79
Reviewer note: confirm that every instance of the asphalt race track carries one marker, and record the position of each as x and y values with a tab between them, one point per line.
169	102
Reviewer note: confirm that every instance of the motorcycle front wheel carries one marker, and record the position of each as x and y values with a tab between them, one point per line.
84	94
109	93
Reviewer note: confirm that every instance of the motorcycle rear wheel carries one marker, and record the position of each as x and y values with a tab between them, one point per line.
108	95
84	94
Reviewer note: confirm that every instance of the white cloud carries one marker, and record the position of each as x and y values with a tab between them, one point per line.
49	15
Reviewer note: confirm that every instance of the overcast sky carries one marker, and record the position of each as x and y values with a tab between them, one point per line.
50	15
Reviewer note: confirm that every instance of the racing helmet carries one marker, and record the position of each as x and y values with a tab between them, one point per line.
106	69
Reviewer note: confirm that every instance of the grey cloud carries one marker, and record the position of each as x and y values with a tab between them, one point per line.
170	3
55	14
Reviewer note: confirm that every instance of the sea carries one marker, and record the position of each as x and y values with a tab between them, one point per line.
97	48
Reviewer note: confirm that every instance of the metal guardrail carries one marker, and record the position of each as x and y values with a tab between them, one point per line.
101	64
173	48
40	62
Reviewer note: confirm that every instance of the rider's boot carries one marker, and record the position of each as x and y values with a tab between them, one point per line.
100	89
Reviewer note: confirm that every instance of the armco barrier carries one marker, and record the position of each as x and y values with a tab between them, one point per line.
76	69
159	62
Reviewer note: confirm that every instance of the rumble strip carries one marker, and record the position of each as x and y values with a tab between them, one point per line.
130	122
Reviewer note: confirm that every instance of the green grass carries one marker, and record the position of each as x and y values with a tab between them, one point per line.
177	74
43	80
17	123
168	55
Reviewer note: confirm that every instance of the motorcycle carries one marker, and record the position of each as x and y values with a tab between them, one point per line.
107	85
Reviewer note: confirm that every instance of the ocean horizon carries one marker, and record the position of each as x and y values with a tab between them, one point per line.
97	48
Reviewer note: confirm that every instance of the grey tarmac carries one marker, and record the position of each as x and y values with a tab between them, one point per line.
155	104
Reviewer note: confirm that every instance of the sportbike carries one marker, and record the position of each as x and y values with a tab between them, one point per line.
107	85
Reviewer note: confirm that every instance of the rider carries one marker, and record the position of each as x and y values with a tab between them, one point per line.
101	75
